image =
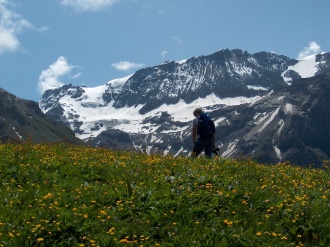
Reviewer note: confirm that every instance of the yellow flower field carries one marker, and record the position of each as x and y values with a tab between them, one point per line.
63	195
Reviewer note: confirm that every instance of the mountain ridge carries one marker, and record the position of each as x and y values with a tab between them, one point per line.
244	93
22	121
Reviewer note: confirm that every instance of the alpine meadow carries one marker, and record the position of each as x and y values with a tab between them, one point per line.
65	195
146	123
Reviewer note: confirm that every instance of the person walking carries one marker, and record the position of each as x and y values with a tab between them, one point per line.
203	133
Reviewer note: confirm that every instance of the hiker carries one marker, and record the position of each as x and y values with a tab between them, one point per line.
203	133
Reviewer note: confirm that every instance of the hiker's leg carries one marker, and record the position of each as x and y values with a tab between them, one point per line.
198	147
208	147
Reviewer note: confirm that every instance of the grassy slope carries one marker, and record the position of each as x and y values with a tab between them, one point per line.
60	195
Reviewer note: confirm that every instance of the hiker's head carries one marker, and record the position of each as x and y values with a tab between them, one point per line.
198	111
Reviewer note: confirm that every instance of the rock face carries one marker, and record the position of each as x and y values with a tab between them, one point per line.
287	125
267	106
225	73
22	120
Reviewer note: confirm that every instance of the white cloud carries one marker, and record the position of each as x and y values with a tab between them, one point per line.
313	48
124	65
42	29
88	5
163	53
51	77
8	41
76	76
177	39
11	24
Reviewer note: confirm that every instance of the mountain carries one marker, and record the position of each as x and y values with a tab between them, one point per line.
287	125
22	120
258	102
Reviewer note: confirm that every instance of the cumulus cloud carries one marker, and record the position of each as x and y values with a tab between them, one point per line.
313	48
11	24
51	77
88	5
124	65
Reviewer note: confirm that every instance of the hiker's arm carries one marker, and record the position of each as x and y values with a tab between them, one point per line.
194	135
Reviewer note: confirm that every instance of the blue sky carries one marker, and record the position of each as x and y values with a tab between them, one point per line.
90	42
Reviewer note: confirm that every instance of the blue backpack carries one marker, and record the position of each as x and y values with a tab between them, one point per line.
206	127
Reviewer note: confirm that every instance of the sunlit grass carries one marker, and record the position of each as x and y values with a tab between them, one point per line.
62	195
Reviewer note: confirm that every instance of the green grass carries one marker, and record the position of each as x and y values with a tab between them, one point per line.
62	195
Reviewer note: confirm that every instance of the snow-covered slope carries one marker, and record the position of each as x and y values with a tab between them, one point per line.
91	110
306	67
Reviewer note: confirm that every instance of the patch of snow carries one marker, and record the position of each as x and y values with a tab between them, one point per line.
179	152
306	68
176	130
20	137
148	149
288	109
231	149
153	138
280	124
240	70
256	116
219	120
257	88
119	82
278	153
167	150
181	61
94	94
270	119
260	117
